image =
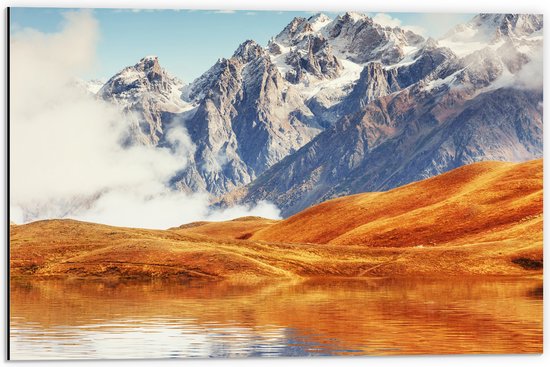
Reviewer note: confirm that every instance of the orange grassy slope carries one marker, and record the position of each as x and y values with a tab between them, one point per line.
488	201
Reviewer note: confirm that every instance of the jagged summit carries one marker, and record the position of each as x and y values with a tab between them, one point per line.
294	31
315	49
248	50
146	74
354	16
149	59
146	91
318	21
358	38
151	66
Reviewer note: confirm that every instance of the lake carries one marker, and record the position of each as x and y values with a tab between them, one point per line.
82	319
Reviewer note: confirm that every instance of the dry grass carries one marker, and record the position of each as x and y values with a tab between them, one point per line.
485	218
475	200
240	228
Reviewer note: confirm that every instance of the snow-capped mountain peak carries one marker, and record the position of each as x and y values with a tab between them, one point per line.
248	50
318	21
146	74
358	38
354	16
148	91
294	31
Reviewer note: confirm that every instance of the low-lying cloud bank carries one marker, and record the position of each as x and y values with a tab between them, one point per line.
66	156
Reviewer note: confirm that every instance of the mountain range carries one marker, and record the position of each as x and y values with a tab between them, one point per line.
338	106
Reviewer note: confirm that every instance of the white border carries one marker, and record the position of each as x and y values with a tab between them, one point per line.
477	6
495	6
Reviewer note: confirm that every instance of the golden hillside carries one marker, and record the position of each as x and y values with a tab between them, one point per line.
485	218
488	201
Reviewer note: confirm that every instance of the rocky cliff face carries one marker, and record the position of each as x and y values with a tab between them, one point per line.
362	40
248	119
381	149
312	56
305	50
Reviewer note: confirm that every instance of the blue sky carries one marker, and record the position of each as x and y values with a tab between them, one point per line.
189	42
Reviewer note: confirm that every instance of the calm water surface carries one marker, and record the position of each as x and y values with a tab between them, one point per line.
89	319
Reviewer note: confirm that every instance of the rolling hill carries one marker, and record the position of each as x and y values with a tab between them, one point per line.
481	219
472	202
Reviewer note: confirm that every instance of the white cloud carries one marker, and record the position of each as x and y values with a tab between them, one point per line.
141	10
224	11
441	23
387	20
66	159
531	74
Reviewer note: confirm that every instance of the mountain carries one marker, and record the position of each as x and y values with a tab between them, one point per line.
148	95
304	51
324	57
424	116
379	150
336	106
248	118
362	40
481	219
263	104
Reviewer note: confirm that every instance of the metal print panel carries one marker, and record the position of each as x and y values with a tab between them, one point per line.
193	184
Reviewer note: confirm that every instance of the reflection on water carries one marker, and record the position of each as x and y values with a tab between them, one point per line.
87	319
